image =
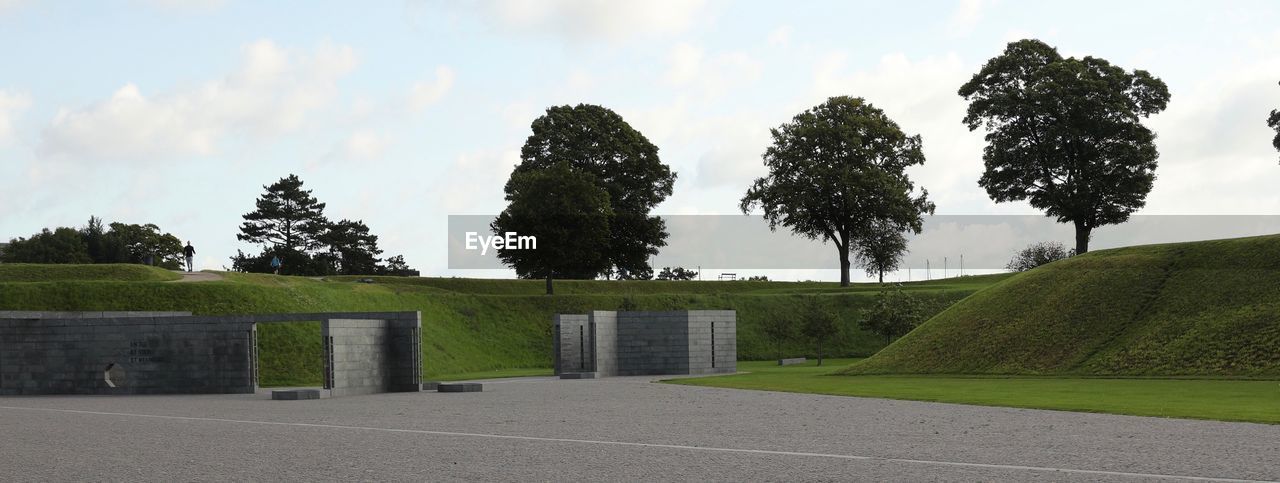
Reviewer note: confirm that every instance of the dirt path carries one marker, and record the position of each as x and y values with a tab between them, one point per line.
198	277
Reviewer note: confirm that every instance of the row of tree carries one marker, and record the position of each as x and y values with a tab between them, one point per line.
1064	134
290	225
98	243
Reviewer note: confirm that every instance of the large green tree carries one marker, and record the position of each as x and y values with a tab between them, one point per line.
289	223
837	172
286	217
352	250
598	142
1066	134
567	212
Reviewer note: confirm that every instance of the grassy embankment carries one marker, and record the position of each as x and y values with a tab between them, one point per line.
469	326
1187	330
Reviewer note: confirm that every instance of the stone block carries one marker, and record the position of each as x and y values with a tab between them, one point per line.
460	387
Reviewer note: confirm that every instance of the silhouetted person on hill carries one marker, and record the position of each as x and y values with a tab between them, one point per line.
190	251
275	264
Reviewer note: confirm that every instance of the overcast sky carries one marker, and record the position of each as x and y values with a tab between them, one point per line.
177	112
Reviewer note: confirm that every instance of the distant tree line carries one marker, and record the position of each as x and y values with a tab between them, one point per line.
290	225
98	243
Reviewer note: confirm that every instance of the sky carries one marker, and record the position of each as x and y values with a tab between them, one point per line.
401	113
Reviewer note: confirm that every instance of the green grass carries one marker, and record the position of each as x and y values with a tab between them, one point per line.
469	326
1188	309
1220	399
494	374
30	272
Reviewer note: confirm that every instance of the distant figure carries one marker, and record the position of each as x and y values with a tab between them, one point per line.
275	264
191	253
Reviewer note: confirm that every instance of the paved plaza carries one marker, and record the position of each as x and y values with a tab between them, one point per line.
624	428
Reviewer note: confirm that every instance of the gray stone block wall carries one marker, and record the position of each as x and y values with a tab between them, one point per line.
146	356
604	342
650	343
572	337
357	359
165	353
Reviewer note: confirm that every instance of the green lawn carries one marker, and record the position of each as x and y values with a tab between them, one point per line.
1221	399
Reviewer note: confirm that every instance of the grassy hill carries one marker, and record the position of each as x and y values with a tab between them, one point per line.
468	324
30	272
1188	309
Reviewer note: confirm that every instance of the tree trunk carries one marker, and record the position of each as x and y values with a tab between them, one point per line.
549	290
844	267
1083	233
882	276
819	354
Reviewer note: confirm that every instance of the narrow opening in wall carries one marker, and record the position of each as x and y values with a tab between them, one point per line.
582	348
713	345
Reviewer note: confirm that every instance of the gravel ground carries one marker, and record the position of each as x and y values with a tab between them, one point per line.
607	429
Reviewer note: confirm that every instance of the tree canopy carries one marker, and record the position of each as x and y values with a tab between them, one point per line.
597	141
286	217
290	225
567	212
1066	134
880	250
837	172
1037	254
94	243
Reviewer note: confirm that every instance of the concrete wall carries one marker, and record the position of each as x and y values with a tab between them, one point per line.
145	355
572	337
110	353
357	359
713	342
649	343
604	341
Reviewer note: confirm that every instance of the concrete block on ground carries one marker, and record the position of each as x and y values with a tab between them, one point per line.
295	394
430	385
794	360
460	387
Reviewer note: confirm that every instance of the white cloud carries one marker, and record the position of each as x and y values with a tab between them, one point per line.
684	62
10	5
1215	147
189	5
780	36
358	148
273	91
584	20
474	183
425	93
689	66
967	15
11	105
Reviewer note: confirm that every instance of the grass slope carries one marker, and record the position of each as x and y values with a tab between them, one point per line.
31	272
1227	400
1201	309
471	325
